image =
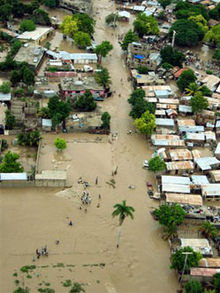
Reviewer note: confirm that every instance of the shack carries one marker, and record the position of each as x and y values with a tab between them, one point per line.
46	124
212	262
179	154
76	58
13	179
207	163
204	275
184	199
165	122
179	167
215	176
211	190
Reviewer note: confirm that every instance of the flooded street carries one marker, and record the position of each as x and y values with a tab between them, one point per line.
32	218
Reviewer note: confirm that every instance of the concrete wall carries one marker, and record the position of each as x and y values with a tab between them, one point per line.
33	183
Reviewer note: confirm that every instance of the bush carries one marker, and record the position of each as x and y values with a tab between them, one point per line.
10	165
106	118
60	143
5	88
9	120
156	164
216	55
167	66
85	102
193	287
27	25
142	69
172	56
29	138
208	71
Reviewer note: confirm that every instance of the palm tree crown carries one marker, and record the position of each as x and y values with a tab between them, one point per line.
123	211
208	229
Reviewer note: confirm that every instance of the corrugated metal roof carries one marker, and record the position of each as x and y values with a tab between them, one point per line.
217	150
164	122
199	245
199	179
5	97
205	163
160	93
196	128
175	180
195	136
192	199
72	56
47	122
179	165
186	122
176	188
205	272
185	109
215	174
13	176
212	262
180	154
212	189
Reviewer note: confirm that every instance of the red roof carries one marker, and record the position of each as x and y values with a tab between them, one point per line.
178	73
203	272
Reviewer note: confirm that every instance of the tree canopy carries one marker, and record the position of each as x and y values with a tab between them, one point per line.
102	77
193	286
200	21
10	165
82	40
188	33
216	55
128	39
27	25
178	259
156	164
41	17
186	77
172	56
58	110
106	118
185	9
146	25
29	138
208	229
164	3
213	35
216	281
60	143
123	211
198	102
69	26
50	3
5	87
146	123
215	12
103	49
170	216
9	120
85	102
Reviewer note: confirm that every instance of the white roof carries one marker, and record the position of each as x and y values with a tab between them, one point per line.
205	163
198	245
177	188
5	97
164	122
185	109
195	136
36	34
212	189
217	150
175	180
13	176
72	56
139	8
124	14
200	179
47	122
196	128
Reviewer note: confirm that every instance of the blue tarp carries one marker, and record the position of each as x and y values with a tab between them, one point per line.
139	57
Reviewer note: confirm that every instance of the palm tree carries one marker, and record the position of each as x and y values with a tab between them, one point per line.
123	211
192	89
208	229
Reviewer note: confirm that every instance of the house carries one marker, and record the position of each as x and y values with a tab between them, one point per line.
215	176
175	188
199	180
204	275
82	6
51	178
153	61
163	94
184	199
192	129
76	58
184	109
38	36
178	167
195	138
198	245
179	154
211	81
180	180
165	122
74	86
207	163
124	15
167	140
84	122
31	54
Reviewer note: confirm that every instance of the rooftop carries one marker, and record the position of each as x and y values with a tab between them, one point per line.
36	34
175	180
179	165
74	84
31	54
176	188
191	199
206	163
199	245
13	176
52	175
180	154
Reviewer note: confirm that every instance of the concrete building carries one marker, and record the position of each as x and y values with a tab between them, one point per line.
38	36
51	178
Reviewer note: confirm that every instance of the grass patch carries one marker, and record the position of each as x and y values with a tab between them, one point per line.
26	269
46	290
15	275
29	276
17	282
47	284
59	265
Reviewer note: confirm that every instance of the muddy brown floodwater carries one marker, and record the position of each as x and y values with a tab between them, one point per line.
31	218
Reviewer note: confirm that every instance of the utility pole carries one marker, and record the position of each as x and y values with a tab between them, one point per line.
173	38
186	256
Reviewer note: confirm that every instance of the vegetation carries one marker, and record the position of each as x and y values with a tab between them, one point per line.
77	288
216	281
10	165
172	56
111	18
164	3
184	10
103	49
156	164
200	21
122	211
85	102
50	3
213	36
216	55
82	40
60	143
69	26
23	73
67	283
58	110
188	33
142	69
186	78
178	259
102	77
27	25
193	287
194	88
215	12
208	230
128	39
146	123
4	144
5	87
198	102
29	138
106	118
145	25
41	17
21	290
9	120
170	217
167	66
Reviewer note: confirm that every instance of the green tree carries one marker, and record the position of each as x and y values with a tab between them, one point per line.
9	120
128	39
10	165
216	282
28	76
198	102
215	12
69	26
186	77
77	288
136	95
103	78
111	18
85	102
178	259
103	49
146	123
85	23
50	3
29	138
146	25
140	107
106	118
5	12
82	40
21	290
58	110
200	21
185	9
216	55
122	211
208	229
164	3
188	33
15	77
172	56
142	69
205	91
41	17
170	216
60	143
193	287
5	87
213	35
167	66
156	164
27	25
192	89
